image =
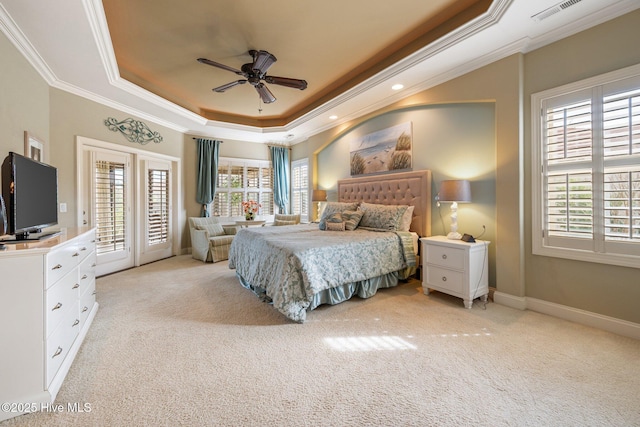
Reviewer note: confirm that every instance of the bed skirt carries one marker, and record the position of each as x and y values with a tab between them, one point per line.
363	289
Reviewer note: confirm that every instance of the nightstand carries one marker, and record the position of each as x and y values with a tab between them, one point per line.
456	268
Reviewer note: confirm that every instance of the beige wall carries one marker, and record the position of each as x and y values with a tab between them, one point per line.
24	100
72	116
600	288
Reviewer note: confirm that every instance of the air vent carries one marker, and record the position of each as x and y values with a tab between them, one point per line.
553	10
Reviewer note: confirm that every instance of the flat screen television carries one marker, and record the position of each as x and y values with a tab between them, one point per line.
30	191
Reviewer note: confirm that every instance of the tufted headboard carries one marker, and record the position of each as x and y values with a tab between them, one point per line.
403	188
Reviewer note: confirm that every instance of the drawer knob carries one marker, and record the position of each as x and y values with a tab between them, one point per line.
57	306
57	267
76	286
83	249
76	254
444	256
84	309
84	276
76	323
94	292
57	353
444	278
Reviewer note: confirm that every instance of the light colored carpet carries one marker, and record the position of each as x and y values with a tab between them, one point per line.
179	342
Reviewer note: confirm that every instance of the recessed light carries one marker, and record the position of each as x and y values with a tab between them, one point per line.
397	86
333	117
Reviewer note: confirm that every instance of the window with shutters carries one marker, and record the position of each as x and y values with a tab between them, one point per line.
300	188
586	163
158	206
110	206
240	180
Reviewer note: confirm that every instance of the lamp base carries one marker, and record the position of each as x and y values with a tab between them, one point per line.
454	235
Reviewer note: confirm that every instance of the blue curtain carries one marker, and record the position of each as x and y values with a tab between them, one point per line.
208	151
280	160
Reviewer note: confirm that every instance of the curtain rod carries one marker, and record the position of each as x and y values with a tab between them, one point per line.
221	142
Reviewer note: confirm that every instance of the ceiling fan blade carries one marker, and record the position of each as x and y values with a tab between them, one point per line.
222	88
265	94
262	60
285	81
224	67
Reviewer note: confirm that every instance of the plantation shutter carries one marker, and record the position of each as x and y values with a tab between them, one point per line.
621	150
241	180
300	188
158	206
589	164
110	208
568	152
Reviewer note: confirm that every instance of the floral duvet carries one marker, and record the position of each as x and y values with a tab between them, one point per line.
292	265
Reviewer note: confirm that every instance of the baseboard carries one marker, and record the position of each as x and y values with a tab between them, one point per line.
606	323
512	301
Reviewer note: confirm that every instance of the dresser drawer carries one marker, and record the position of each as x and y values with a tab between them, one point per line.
445	256
60	262
448	279
59	299
87	300
86	245
60	341
87	272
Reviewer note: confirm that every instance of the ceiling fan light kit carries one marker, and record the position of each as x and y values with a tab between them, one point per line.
255	72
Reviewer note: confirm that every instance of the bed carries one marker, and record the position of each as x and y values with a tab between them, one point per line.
300	267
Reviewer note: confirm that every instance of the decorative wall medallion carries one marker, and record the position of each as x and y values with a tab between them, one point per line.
134	130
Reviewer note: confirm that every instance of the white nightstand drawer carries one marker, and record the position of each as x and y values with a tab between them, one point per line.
443	278
445	256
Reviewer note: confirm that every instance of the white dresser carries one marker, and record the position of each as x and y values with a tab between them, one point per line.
455	267
47	299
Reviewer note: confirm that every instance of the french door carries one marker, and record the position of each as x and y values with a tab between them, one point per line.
155	219
127	195
111	210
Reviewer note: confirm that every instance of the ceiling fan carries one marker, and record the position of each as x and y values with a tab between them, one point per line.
254	72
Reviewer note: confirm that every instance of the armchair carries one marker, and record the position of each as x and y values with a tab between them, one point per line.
210	241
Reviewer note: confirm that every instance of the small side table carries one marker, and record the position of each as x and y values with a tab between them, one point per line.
455	267
255	223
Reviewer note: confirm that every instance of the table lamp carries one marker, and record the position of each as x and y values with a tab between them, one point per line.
319	196
455	191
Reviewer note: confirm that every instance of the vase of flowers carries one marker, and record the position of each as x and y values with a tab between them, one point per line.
250	208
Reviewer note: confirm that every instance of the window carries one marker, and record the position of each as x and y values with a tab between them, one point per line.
240	180
300	188
586	157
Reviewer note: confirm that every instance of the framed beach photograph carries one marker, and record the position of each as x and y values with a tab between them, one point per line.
387	150
34	147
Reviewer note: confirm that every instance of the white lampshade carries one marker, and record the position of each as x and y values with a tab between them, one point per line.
455	190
